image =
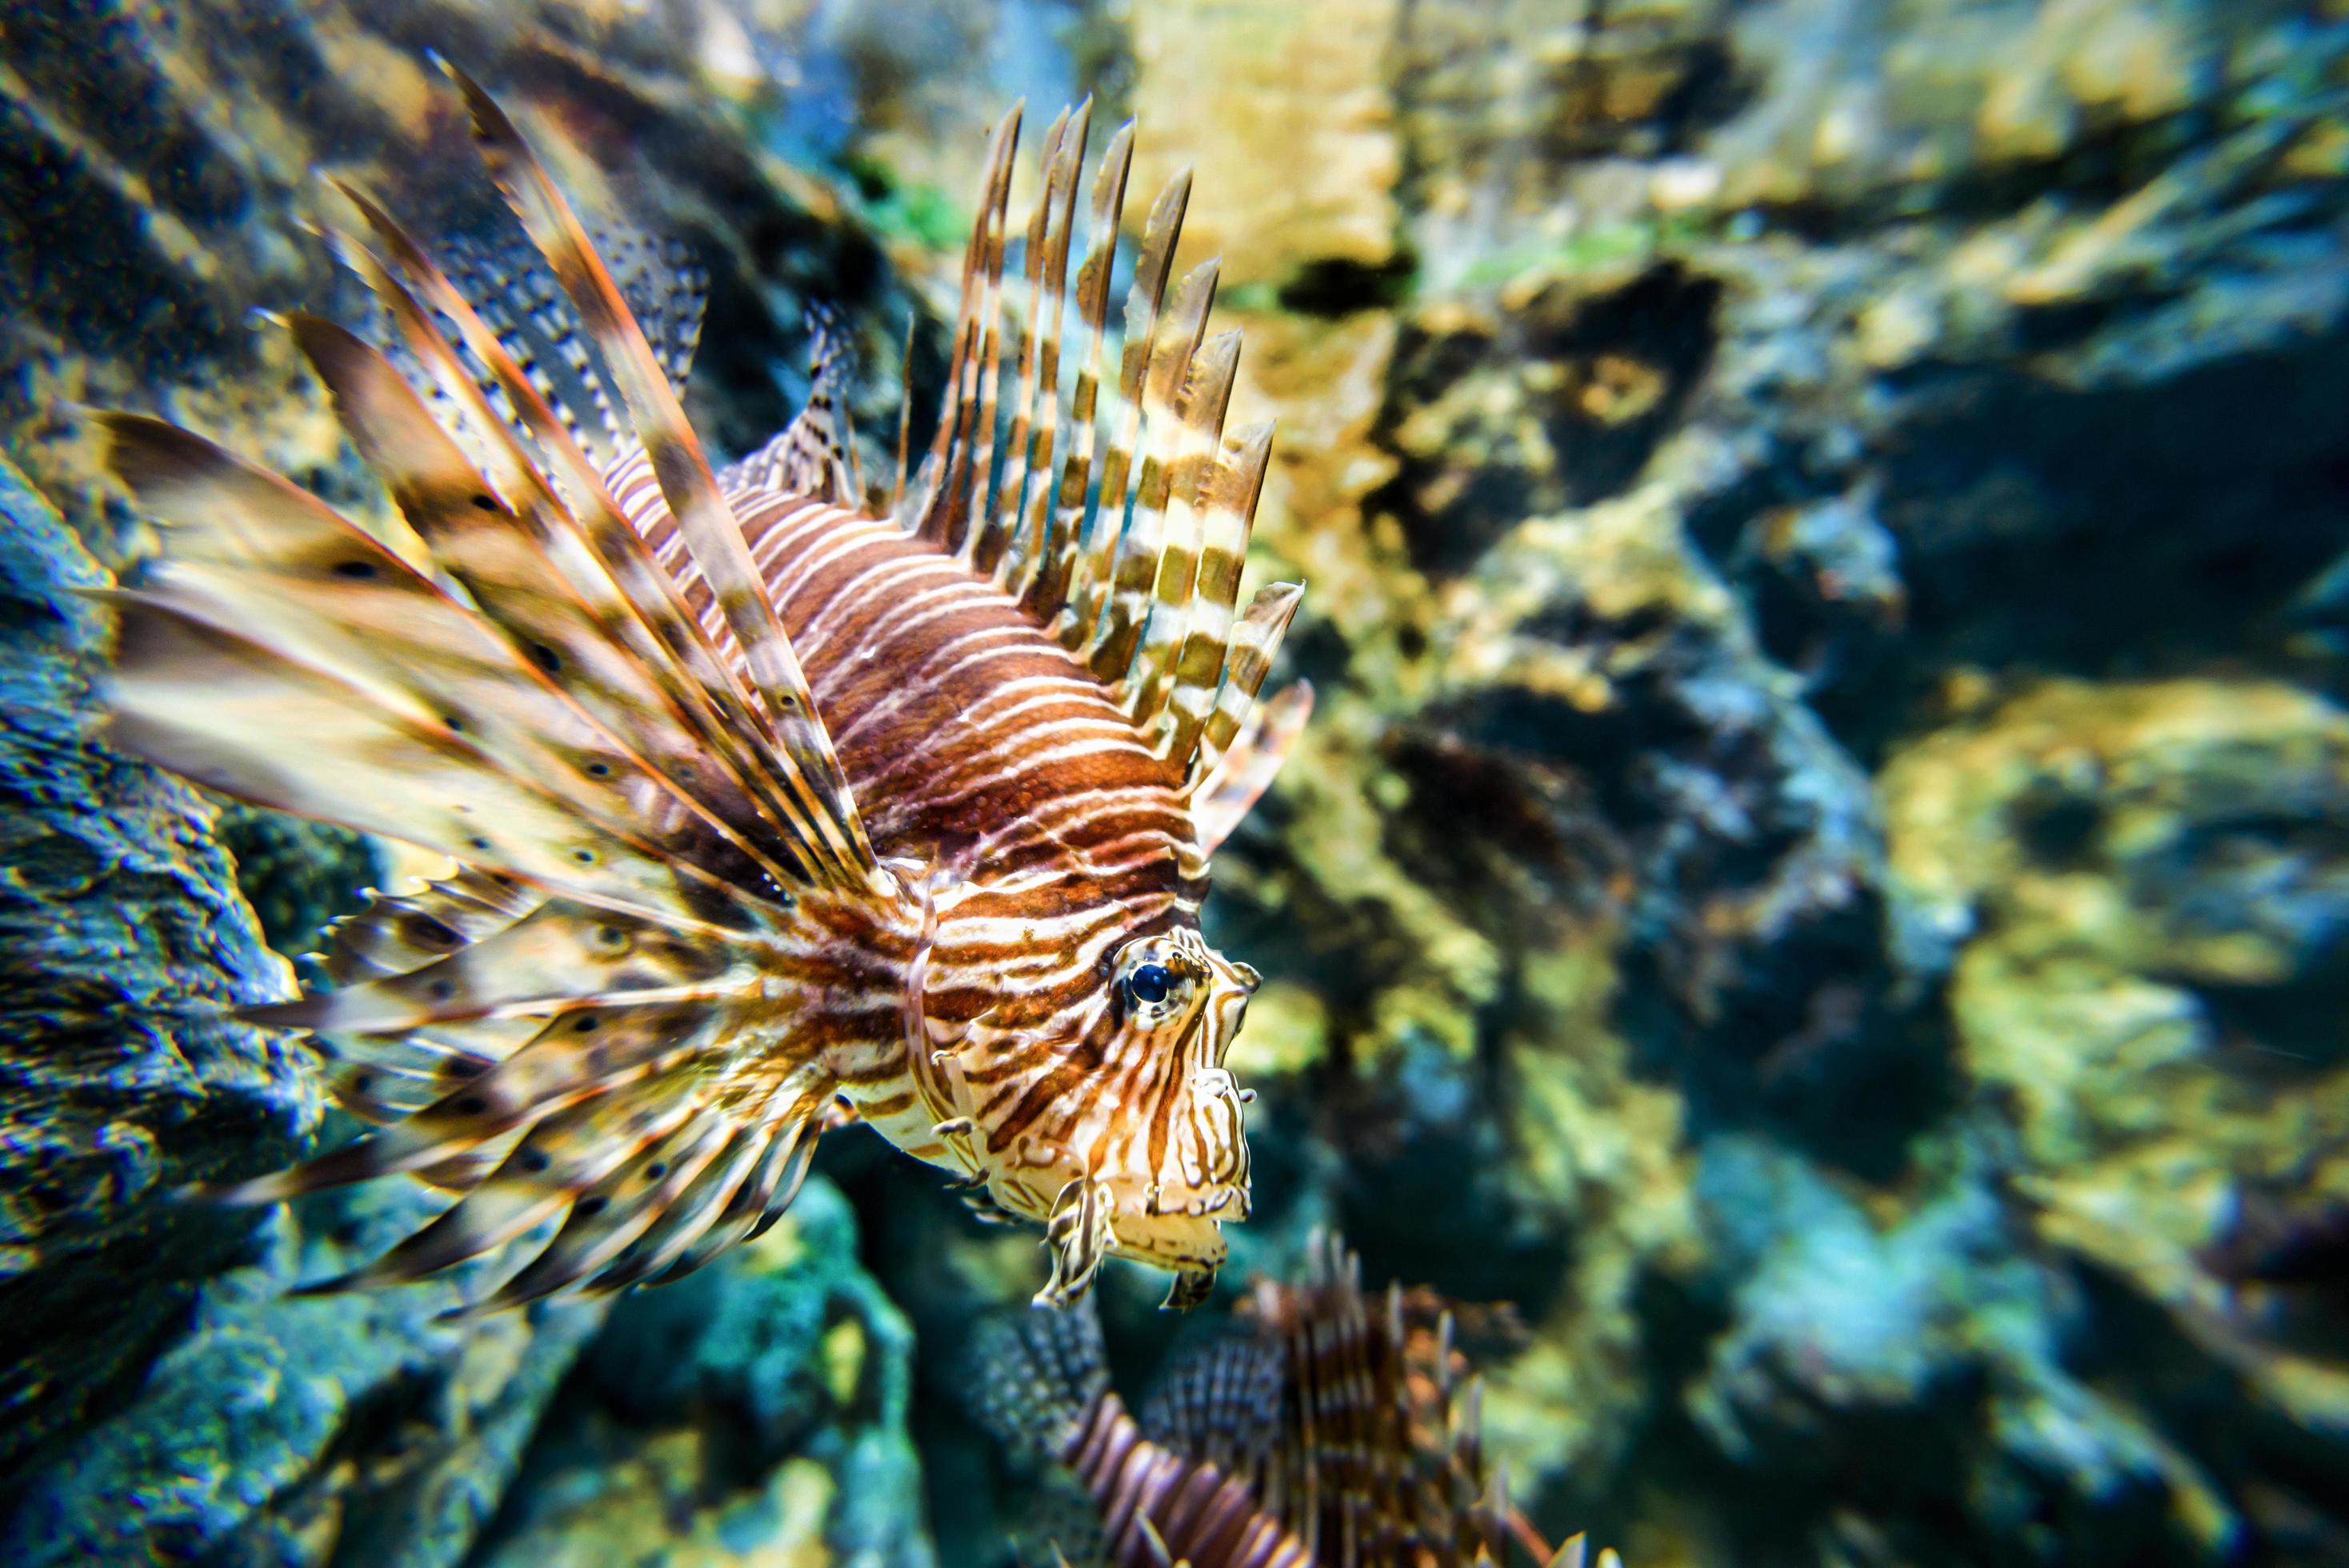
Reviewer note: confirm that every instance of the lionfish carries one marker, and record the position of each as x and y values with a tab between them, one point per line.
770	810
1330	1430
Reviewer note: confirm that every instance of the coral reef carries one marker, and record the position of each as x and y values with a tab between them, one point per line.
1813	872
753	1413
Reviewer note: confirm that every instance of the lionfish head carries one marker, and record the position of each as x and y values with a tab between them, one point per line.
1156	1158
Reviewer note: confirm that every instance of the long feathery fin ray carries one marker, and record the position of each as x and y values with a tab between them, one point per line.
995	494
811	770
216	707
596	548
482	544
550	1072
560	952
393	932
261	559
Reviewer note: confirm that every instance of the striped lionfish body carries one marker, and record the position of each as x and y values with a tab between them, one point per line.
769	811
1333	1430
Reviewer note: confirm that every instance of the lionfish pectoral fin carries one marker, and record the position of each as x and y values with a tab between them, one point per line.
1191	1288
981	1203
1080	1235
664	288
814	789
556	1031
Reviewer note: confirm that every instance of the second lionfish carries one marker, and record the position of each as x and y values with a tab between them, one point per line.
769	810
1327	1427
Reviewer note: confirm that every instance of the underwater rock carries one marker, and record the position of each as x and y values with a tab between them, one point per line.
124	936
141	224
1930	1367
346	1429
2141	893
296	874
1760	367
753	1412
1217	84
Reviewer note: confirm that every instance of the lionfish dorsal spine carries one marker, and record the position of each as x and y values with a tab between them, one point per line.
1000	537
1046	577
1076	625
1171	394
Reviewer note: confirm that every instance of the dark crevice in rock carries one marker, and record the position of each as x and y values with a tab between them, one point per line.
1333	286
1605	378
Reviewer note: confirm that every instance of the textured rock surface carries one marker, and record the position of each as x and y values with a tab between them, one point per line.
342	1429
754	1413
121	936
1679	920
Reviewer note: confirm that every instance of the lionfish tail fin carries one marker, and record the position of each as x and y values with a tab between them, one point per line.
1108	500
1038	1372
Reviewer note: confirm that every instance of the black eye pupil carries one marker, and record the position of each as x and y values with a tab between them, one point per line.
1151	983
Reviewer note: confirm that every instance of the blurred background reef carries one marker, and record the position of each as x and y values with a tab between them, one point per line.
1821	871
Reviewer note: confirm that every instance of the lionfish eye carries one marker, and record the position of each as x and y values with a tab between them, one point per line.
1150	983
